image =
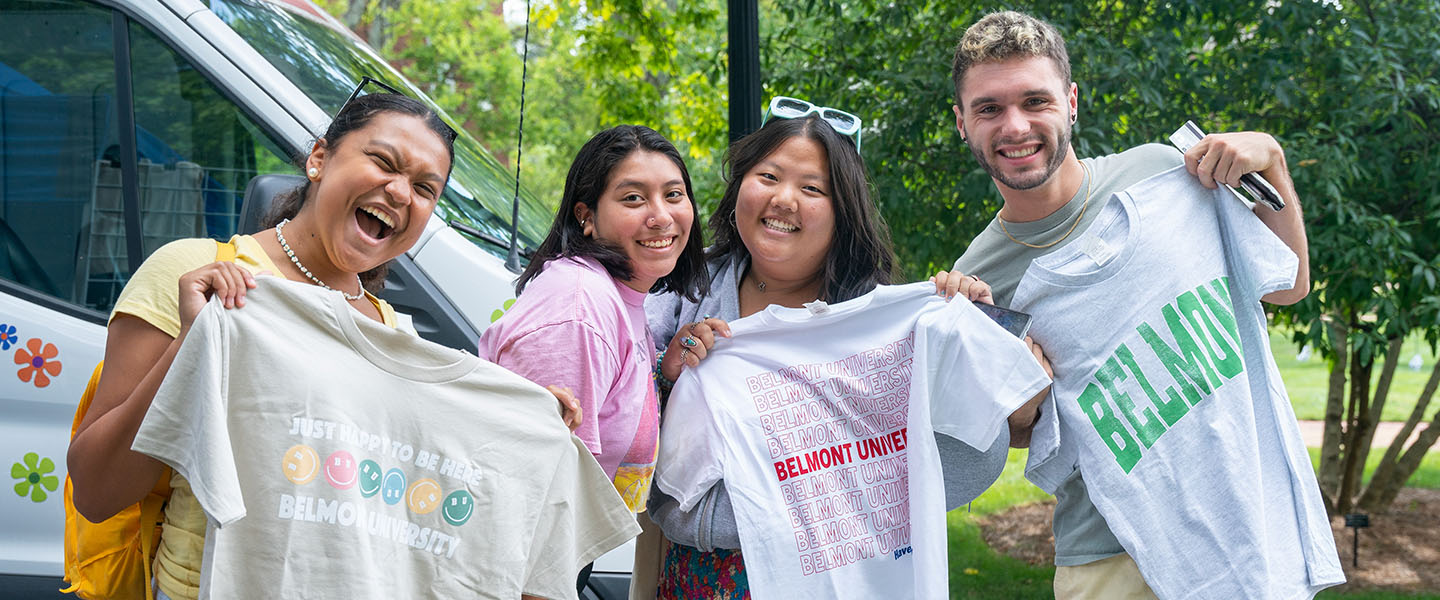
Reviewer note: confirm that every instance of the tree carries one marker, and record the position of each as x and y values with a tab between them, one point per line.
1350	91
591	65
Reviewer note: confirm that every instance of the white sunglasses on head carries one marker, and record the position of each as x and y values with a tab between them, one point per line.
844	123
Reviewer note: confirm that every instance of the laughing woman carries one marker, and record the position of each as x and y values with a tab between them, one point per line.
371	185
625	227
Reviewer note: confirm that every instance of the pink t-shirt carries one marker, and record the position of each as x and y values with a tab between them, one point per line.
577	327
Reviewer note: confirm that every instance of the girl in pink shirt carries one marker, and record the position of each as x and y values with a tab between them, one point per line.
625	227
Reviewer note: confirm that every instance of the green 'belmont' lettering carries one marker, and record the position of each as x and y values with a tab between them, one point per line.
1227	361
1220	306
1186	366
1147	426
1126	451
1170	410
1206	354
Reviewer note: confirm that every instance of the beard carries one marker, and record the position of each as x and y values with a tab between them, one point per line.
1031	179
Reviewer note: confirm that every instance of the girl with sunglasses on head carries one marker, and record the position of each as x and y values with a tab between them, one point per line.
624	228
796	224
371	184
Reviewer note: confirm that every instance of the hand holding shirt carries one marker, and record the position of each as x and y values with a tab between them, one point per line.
820	423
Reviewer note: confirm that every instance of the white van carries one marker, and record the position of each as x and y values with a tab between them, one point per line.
125	124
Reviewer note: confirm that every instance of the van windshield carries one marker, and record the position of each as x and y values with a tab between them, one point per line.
326	64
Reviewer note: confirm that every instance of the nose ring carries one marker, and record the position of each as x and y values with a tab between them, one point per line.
650	222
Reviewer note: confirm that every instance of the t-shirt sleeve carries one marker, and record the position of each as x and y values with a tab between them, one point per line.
186	426
568	354
1047	464
662	314
153	292
1257	257
974	372
582	517
691	447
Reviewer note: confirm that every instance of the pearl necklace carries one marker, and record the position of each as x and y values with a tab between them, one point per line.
280	236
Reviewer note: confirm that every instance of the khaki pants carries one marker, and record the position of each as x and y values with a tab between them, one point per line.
1114	578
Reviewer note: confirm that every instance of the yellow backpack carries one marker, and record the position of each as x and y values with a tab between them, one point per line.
111	560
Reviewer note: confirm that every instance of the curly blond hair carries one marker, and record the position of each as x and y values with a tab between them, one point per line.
1005	35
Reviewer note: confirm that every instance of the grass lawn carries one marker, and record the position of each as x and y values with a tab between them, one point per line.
1426	477
978	572
1309	381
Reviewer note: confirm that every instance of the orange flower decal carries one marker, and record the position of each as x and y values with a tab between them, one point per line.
40	364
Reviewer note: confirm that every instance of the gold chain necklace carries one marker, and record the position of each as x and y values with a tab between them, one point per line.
1083	206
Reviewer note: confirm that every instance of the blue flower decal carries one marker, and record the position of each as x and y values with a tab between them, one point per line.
7	336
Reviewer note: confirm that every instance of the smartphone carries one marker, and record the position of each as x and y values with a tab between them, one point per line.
1013	321
1260	190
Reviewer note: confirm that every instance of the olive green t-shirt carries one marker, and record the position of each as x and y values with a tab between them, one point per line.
1081	535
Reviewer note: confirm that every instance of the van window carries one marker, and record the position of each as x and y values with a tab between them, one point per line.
62	226
57	118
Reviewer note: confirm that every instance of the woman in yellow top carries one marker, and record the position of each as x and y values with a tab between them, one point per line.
372	183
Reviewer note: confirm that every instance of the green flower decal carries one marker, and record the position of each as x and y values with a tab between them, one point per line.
34	477
500	312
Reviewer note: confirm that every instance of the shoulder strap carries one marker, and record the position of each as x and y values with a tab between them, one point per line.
225	251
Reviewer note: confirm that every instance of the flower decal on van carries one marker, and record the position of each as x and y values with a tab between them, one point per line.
34	477
7	336
40	363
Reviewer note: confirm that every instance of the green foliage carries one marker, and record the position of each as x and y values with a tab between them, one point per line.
659	63
1349	89
592	65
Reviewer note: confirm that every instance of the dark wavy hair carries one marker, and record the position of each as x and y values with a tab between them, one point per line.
861	255
356	115
588	177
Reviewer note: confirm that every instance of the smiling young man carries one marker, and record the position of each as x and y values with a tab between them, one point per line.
1015	108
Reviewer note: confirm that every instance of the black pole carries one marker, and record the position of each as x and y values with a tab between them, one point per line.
1355	550
744	67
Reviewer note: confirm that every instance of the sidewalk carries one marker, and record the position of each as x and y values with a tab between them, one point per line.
1314	431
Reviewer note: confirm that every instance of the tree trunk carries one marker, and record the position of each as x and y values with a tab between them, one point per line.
1360	414
379	32
1409	463
1377	402
354	14
1388	478
1334	414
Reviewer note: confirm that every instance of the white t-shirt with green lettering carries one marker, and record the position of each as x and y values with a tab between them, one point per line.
1174	412
339	458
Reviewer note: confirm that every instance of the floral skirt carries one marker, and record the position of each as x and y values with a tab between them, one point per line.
692	574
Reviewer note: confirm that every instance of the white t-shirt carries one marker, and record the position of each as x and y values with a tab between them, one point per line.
1174	413
820	422
339	458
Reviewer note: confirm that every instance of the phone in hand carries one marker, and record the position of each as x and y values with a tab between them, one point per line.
1013	321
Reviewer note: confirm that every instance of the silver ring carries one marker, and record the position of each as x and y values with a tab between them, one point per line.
688	342
692	328
684	352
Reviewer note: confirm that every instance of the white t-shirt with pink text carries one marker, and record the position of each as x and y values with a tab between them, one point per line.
820	421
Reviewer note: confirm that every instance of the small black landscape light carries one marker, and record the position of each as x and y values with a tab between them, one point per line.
1356	521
